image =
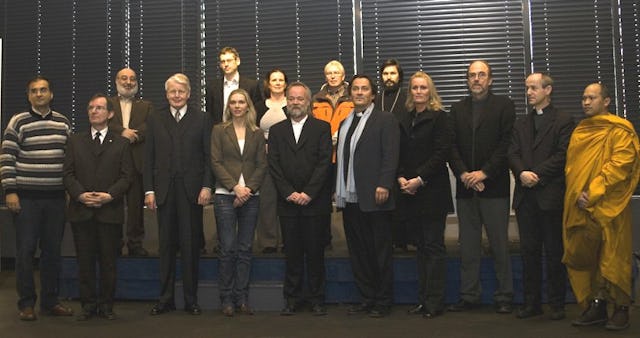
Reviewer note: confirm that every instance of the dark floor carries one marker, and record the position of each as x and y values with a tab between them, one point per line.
134	321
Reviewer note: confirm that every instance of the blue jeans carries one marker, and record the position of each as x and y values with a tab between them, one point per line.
41	221
235	234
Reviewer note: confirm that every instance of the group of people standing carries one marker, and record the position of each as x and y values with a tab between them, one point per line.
277	164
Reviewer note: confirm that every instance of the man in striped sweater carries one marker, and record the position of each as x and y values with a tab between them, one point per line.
33	150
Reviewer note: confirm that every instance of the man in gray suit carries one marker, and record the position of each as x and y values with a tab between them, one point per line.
130	120
367	160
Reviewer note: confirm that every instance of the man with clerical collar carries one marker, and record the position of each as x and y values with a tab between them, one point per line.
130	120
367	161
393	97
537	157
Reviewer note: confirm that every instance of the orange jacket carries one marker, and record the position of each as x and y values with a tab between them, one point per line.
324	110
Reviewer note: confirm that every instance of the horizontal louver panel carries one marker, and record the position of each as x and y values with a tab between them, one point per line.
441	37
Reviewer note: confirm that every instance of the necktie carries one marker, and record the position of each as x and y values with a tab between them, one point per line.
347	145
96	139
177	116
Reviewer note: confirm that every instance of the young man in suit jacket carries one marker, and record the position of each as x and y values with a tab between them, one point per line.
97	173
219	89
300	160
177	183
130	120
367	160
482	125
537	157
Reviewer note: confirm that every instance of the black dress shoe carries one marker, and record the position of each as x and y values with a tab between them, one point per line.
619	320
430	314
379	311
161	308
288	310
461	305
596	314
269	250
319	310
108	315
504	308
359	308
529	311
557	313
85	315
193	309
138	251
417	310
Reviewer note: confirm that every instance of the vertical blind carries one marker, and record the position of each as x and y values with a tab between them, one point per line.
80	45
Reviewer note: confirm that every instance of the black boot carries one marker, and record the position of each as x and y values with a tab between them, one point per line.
619	320
596	314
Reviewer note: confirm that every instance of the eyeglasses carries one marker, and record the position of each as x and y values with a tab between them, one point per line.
98	108
481	75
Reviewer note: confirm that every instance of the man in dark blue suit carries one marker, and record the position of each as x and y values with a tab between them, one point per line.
300	160
97	172
177	182
367	160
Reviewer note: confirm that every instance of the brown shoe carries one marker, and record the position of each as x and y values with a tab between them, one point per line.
60	310
228	311
27	314
619	320
244	309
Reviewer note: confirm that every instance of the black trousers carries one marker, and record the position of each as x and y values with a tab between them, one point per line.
369	242
96	242
431	260
304	244
135	218
541	229
179	226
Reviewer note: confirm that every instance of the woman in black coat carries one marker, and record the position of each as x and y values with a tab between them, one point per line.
423	178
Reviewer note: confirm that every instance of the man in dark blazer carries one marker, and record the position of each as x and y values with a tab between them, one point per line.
299	156
537	156
130	120
367	159
219	89
177	182
97	172
482	125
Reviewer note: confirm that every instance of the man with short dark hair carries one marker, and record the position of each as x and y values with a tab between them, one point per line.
130	120
33	150
300	161
367	160
218	90
537	156
602	171
482	126
97	173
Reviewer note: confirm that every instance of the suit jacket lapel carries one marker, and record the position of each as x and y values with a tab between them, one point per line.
291	138
230	132
117	111
547	122
371	120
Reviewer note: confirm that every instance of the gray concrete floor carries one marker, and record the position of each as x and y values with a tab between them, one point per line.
134	321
